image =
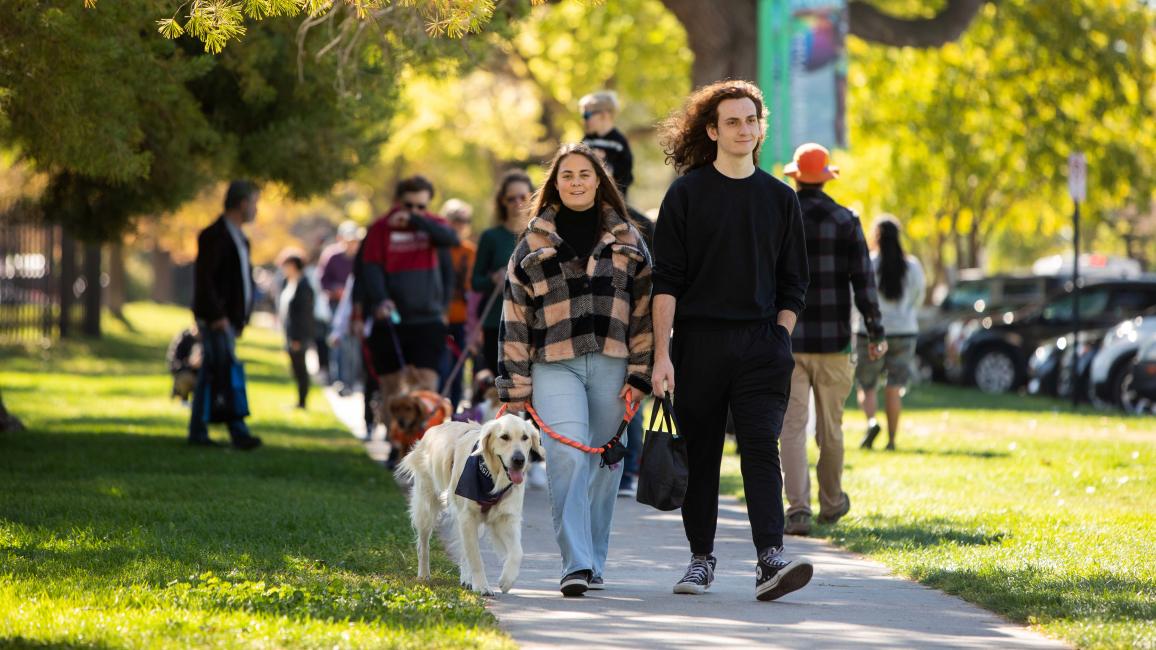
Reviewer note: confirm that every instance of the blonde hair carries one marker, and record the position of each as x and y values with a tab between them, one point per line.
603	100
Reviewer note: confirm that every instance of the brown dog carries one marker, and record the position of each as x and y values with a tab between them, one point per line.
411	414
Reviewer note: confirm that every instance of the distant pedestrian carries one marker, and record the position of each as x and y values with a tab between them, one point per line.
222	301
837	254
730	277
576	342
494	249
901	286
599	111
334	269
295	309
460	215
409	281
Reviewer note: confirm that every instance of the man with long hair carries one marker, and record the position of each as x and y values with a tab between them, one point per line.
730	278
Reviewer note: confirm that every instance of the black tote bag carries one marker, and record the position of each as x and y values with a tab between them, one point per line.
662	470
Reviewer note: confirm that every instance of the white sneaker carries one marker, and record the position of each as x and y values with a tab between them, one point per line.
536	477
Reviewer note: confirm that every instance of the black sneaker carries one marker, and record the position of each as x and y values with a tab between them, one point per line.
596	584
576	584
247	444
699	575
869	439
776	577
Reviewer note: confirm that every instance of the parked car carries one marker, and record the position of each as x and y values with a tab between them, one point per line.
973	296
1143	376
992	352
1110	382
1050	370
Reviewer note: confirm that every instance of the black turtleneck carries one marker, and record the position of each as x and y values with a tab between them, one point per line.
578	229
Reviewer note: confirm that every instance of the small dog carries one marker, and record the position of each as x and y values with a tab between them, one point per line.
410	415
476	471
484	403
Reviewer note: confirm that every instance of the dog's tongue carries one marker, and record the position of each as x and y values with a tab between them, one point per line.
517	476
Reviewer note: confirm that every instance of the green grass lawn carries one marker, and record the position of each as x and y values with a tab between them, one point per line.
114	533
1013	503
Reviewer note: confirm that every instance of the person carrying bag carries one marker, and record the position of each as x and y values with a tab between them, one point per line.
662	471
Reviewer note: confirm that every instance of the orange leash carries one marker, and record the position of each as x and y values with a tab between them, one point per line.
631	409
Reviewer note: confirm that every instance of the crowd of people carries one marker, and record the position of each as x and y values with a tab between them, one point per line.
573	306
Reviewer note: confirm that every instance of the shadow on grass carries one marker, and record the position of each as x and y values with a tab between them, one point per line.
967	453
1038	594
21	643
872	534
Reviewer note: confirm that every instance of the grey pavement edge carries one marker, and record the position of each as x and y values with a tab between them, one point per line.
852	602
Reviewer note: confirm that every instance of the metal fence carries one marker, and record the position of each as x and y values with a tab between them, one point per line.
29	282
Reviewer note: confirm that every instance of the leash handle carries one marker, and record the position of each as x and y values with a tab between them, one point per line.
631	410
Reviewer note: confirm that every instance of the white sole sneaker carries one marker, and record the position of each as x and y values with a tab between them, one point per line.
690	588
790	578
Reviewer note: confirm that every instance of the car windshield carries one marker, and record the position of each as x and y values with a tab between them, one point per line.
1092	304
969	294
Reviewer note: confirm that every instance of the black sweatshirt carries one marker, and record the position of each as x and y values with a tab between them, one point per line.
731	251
618	156
579	229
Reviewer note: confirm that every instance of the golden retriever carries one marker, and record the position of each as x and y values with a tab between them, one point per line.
436	466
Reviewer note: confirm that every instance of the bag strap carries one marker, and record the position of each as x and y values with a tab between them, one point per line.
665	406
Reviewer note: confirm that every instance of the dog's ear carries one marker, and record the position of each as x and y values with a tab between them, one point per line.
535	438
486	447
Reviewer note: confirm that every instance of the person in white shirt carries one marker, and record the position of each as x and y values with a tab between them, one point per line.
901	287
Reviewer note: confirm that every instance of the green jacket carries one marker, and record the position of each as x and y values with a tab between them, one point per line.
495	247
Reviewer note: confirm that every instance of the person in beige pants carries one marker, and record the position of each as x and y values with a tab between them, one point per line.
838	260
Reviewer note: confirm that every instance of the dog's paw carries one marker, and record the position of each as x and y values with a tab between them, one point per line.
505	586
485	590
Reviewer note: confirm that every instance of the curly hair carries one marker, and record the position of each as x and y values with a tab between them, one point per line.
607	194
683	135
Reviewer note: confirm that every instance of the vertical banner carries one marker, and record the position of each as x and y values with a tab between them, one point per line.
803	75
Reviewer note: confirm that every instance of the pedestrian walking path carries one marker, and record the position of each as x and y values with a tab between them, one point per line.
851	602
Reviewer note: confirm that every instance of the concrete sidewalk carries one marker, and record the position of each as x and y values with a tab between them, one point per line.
851	601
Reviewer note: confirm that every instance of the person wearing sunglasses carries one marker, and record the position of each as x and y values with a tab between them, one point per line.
494	249
408	274
598	112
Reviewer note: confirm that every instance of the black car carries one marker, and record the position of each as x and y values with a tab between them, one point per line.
1143	376
992	352
1050	368
971	297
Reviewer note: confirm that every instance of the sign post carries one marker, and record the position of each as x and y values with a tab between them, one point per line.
1078	189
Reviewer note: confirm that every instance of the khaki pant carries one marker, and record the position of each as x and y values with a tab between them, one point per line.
830	375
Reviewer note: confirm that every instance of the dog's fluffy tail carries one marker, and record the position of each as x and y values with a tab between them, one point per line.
409	465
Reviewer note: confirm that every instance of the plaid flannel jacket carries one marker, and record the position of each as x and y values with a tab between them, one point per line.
837	254
556	309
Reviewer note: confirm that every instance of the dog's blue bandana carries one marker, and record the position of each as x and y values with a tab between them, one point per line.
477	483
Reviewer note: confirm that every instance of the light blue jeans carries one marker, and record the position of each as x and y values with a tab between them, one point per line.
578	398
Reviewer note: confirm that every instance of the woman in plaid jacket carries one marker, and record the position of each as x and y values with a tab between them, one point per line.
576	343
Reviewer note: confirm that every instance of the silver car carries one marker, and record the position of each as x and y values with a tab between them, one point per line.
1109	376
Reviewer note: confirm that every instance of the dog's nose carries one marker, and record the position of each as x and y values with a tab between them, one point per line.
518	461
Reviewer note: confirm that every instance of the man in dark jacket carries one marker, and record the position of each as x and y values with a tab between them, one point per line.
222	301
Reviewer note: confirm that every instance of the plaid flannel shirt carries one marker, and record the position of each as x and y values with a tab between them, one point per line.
557	309
837	254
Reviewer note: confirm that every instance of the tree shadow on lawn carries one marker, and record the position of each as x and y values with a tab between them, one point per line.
326	531
1039	594
874	533
22	643
968	453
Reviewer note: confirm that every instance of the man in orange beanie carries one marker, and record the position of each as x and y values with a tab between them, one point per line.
838	260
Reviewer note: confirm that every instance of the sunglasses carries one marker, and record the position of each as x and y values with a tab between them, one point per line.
589	114
516	198
414	206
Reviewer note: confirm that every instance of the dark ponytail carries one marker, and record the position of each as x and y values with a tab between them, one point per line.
892	261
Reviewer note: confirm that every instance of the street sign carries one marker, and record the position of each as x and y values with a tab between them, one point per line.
1078	177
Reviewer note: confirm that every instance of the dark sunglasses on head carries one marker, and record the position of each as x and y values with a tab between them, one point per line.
414	206
516	198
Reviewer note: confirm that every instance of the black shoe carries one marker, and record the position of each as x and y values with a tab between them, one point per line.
869	439
596	584
776	577
698	577
206	442
576	584
832	517
247	444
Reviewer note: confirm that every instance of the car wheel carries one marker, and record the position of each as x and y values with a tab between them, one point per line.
1130	400
995	372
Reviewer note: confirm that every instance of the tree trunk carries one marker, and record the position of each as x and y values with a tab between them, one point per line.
162	265
724	38
8	422
67	282
117	292
92	290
